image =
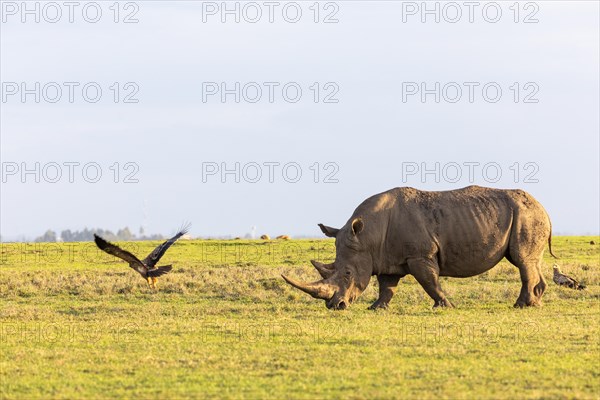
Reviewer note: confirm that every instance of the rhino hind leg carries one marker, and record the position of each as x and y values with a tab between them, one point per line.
533	284
527	242
427	272
387	288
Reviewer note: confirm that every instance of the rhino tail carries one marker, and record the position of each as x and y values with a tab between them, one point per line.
550	244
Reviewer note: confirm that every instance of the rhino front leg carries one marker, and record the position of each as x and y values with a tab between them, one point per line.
387	288
427	272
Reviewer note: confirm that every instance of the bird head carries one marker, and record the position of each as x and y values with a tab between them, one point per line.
556	268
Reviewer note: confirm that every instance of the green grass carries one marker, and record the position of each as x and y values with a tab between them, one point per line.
77	323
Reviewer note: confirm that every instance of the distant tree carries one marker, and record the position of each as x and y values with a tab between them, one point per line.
66	235
49	236
125	235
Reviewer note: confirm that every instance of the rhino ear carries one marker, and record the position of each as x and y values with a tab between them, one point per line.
328	231
357	225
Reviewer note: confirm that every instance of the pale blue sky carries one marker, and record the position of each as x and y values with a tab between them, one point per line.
369	133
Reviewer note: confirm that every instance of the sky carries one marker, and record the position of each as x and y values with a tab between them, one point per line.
283	115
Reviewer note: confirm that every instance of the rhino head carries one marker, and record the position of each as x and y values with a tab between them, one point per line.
348	276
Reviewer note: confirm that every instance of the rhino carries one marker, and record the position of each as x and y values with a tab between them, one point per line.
427	234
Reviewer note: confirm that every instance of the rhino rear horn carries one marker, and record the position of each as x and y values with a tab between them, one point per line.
318	290
325	270
328	231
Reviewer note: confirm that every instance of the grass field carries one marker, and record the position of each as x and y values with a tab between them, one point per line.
77	323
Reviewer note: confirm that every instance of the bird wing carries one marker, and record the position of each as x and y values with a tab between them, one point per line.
124	255
572	281
158	252
566	280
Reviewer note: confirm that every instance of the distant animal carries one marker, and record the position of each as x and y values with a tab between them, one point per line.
283	237
456	233
565	280
146	267
592	242
265	237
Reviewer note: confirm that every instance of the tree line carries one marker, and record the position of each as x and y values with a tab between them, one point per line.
87	235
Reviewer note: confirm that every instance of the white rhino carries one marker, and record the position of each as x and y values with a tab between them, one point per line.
458	233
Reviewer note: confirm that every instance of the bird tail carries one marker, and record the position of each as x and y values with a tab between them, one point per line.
160	271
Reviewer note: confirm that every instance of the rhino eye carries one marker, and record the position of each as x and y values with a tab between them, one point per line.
347	276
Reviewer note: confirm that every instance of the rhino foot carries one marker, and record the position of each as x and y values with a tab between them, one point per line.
523	304
528	300
379	305
443	303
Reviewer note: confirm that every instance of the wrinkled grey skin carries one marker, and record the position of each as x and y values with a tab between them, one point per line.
458	233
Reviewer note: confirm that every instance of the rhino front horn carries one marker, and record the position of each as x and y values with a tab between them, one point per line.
318	290
325	270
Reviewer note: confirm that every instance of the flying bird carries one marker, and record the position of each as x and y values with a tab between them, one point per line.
565	280
147	267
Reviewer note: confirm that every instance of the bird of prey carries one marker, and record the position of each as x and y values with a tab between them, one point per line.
147	267
565	280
